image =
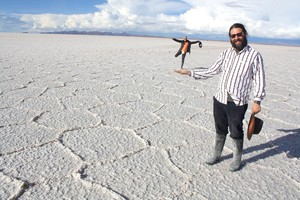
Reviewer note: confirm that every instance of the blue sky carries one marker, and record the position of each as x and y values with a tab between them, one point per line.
263	18
48	6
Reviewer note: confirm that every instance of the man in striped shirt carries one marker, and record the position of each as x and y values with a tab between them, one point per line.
242	68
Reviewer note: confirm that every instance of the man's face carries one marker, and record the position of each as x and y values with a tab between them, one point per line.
238	39
185	38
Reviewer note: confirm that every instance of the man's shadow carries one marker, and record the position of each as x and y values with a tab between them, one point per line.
289	144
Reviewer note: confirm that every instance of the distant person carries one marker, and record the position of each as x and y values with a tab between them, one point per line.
185	48
242	68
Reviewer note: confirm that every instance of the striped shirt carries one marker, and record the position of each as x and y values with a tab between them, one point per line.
240	72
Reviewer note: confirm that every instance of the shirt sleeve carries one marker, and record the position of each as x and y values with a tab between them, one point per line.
259	82
216	68
194	42
176	40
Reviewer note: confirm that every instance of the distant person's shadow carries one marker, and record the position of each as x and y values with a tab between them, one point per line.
289	144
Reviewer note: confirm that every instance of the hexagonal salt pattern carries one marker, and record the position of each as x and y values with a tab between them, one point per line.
98	117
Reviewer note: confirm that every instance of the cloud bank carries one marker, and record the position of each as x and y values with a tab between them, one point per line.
263	18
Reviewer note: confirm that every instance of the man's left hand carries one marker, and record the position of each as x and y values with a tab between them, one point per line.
256	108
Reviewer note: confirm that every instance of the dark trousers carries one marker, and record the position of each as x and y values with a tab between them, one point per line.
182	57
229	116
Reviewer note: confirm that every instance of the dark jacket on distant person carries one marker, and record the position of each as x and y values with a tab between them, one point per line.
182	43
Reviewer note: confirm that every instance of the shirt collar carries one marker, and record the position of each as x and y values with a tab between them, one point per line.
246	48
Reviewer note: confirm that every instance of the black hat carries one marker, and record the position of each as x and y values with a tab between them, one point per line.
254	127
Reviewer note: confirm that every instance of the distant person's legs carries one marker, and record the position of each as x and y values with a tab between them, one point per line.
178	53
182	59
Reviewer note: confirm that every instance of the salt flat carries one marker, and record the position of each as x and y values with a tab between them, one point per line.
105	117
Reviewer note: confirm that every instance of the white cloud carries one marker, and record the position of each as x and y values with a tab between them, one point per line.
266	18
145	7
44	21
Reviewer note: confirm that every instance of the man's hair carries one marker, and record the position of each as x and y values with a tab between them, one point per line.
238	25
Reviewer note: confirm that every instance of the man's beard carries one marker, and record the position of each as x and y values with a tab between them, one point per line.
242	45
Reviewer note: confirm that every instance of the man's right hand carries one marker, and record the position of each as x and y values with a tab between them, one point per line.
183	71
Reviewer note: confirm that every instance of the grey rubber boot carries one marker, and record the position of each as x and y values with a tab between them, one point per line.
237	155
219	144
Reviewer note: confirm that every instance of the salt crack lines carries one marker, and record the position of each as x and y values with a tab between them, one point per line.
79	122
